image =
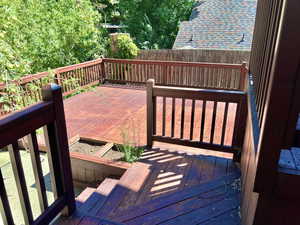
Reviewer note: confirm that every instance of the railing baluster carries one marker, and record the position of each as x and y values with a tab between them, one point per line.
224	123
213	123
4	204
192	120
17	167
173	117
202	120
37	170
164	117
182	118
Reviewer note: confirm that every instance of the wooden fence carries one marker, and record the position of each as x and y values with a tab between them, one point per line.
183	74
48	114
196	55
221	127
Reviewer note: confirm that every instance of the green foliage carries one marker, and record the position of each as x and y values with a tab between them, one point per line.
154	23
124	47
131	153
36	35
109	9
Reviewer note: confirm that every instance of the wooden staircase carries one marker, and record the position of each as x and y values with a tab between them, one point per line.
211	203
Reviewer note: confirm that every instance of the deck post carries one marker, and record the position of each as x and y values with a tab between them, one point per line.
102	77
150	111
59	139
243	76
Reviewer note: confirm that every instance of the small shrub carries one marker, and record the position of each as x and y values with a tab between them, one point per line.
123	47
131	153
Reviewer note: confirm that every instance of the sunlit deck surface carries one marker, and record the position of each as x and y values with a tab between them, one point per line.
109	110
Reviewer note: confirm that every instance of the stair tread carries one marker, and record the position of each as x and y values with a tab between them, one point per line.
171	199
99	196
107	186
127	183
84	195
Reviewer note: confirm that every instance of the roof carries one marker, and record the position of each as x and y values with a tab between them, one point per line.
218	24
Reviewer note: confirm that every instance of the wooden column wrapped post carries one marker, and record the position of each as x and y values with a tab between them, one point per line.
58	149
243	76
150	112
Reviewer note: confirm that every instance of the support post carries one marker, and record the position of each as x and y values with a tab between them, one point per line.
102	77
150	112
243	78
59	148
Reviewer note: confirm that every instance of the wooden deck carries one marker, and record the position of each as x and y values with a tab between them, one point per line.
166	187
108	110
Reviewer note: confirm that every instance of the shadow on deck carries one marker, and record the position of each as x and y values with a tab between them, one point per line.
168	187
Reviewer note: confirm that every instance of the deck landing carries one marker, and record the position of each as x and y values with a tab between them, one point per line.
168	187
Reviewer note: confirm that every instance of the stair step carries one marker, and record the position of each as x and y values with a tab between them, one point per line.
171	199
99	195
89	220
84	195
127	183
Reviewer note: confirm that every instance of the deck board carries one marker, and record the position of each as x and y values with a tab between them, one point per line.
102	114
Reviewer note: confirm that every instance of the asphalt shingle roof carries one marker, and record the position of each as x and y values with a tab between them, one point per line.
218	24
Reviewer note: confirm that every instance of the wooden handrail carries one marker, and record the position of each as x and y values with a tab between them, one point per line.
177	63
220	76
48	114
232	99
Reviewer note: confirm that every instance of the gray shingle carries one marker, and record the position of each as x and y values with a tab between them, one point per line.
218	24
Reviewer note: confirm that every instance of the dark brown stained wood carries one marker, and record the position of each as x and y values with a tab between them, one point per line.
192	120
197	94
182	118
150	121
195	144
154	113
173	117
202	120
279	98
21	123
37	171
17	167
224	123
164	117
212	132
5	208
60	149
172	63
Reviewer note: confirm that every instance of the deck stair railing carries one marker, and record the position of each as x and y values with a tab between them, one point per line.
204	118
49	115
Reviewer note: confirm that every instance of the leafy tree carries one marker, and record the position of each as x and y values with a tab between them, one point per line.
154	23
123	47
36	35
109	9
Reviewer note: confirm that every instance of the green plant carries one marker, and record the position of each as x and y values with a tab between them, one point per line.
154	23
130	134
131	153
123	47
36	35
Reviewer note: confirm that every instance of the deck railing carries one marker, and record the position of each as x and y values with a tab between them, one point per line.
48	114
183	74
210	119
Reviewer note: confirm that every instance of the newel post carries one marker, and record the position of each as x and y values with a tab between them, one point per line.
150	111
243	78
103	74
58	149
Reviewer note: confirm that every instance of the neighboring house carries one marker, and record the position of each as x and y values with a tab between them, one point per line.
218	24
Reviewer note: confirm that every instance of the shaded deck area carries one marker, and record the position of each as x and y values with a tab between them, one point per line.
109	113
167	186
